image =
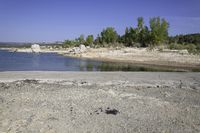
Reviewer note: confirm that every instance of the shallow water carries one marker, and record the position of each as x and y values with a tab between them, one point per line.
14	61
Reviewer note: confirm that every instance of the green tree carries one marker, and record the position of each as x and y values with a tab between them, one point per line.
159	30
70	43
142	33
89	40
109	35
98	41
130	36
164	29
81	39
126	36
140	25
144	37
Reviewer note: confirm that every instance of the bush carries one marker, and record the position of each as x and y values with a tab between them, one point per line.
89	40
192	48
70	43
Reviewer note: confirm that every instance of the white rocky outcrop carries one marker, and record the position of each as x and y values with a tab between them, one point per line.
35	48
78	50
184	51
82	48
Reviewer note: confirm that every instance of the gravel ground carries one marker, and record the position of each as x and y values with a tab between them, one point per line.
60	102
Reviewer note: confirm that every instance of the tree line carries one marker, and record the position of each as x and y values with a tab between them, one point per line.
183	39
152	35
140	36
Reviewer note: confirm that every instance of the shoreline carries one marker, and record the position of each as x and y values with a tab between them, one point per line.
192	61
159	64
132	56
97	76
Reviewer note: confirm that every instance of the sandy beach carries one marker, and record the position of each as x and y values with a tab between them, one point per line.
59	102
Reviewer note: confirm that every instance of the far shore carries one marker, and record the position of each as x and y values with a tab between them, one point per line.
136	56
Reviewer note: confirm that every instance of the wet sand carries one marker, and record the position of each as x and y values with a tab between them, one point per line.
99	102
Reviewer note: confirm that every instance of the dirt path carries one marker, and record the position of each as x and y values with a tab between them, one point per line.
57	102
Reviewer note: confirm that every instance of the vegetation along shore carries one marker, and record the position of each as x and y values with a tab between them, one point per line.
142	44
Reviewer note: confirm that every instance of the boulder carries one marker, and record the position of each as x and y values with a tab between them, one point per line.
82	48
184	51
88	47
35	48
76	50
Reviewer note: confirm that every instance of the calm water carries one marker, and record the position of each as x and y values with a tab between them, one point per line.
13	61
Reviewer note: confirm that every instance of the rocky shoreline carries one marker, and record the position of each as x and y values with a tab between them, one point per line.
141	56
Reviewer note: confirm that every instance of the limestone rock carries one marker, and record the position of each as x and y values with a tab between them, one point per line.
185	51
76	50
35	48
88	47
82	48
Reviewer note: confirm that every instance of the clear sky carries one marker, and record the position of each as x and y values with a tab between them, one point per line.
56	20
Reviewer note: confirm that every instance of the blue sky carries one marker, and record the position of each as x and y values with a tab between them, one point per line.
56	20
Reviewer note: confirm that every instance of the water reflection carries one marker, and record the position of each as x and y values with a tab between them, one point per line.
106	66
35	60
89	65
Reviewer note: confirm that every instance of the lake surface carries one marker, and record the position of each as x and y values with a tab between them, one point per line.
14	61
